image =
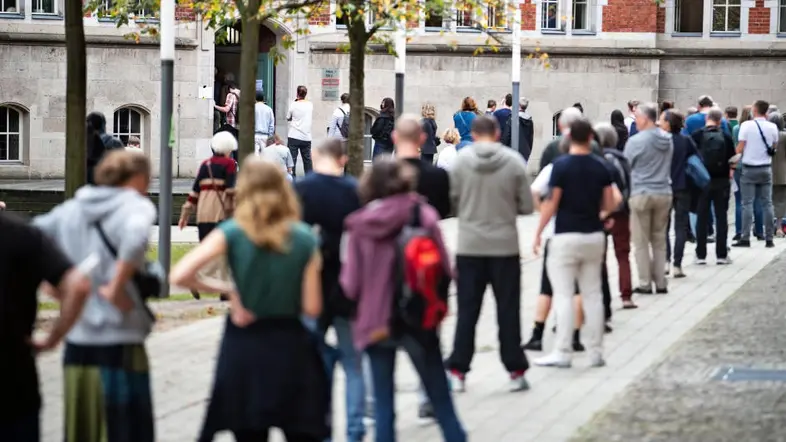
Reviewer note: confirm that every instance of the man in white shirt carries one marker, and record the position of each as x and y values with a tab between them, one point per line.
632	105
757	141
299	136
337	120
264	122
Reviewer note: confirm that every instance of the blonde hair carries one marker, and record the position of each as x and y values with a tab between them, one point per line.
451	136
428	111
266	205
119	166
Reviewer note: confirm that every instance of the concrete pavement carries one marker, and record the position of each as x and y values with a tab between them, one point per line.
559	403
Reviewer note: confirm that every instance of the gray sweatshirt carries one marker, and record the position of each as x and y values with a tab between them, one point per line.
649	153
126	218
488	189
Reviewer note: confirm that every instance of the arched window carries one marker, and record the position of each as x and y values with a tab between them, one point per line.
555	132
10	134
129	123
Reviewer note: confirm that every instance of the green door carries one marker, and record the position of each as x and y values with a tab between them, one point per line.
265	70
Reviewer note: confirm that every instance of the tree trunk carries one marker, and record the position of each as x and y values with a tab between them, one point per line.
249	53
357	100
76	93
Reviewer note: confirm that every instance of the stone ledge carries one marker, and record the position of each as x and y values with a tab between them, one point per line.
92	40
574	51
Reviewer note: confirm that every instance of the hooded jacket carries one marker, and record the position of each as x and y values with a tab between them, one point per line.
126	218
489	188
526	135
368	274
650	153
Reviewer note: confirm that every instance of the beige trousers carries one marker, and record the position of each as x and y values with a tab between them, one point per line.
649	218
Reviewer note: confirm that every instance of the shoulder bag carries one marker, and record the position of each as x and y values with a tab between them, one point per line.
227	212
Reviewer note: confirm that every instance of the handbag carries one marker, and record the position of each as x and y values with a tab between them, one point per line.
227	212
146	282
697	172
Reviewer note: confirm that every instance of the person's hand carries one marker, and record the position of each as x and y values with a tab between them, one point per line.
2	205
536	245
44	345
117	297
609	223
241	316
182	223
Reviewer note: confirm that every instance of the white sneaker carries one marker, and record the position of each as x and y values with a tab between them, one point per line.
723	261
518	383
457	382
700	261
553	360
597	360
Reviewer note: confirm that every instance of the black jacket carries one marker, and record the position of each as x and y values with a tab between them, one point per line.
382	131
429	147
526	134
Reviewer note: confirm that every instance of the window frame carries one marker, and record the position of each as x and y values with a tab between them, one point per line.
589	26
555	132
444	24
544	8
117	119
469	15
20	133
498	15
727	5
780	9
18	5
368	17
54	12
108	4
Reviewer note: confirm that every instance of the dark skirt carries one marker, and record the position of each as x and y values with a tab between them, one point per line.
269	375
107	394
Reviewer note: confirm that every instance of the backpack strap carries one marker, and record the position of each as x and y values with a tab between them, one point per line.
105	239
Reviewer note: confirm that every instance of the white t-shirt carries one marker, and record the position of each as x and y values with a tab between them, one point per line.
541	187
299	117
446	157
755	152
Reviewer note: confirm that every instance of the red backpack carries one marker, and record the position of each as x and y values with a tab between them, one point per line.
421	294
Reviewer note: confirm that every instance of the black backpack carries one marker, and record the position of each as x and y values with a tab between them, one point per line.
713	152
344	127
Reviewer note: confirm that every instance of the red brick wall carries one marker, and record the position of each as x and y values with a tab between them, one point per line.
660	25
759	19
320	16
630	16
184	13
528	15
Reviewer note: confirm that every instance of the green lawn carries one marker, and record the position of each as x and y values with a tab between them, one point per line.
178	251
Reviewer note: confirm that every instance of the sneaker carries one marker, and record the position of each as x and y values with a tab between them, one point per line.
759	237
668	269
553	360
663	291
518	383
769	244
711	239
678	273
196	294
736	237
426	411
723	261
742	243
533	345
597	361
643	290
700	261
457	381
607	328
578	346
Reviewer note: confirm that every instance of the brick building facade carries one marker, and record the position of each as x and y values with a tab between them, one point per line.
602	54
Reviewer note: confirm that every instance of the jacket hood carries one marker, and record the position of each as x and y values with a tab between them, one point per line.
486	157
97	202
383	218
661	139
524	116
97	121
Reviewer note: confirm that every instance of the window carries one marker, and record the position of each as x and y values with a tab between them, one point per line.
726	15
782	17
437	21
136	11
10	134
343	21
550	16
581	15
10	6
128	123
44	7
464	16
368	142
689	16
555	132
495	11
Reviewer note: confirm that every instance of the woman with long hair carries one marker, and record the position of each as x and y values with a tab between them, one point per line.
429	147
269	371
618	121
106	371
463	120
382	129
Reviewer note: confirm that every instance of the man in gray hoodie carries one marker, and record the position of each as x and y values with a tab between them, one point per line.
649	154
489	189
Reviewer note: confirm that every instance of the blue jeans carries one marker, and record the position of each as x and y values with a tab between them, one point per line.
756	184
351	362
758	226
427	359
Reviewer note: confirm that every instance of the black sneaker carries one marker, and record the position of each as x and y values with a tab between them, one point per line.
735	237
642	290
195	294
742	243
607	328
533	345
426	411
578	346
663	291
769	244
759	237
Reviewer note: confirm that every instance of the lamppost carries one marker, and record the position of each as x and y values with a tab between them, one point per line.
401	55
515	76
165	169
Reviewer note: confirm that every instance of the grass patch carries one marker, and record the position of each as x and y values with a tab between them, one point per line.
178	251
185	297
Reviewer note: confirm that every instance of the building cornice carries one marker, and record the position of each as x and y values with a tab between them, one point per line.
91	40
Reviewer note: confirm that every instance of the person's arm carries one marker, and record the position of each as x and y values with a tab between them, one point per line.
333	126
191	201
524	197
376	128
271	128
730	150
186	272
312	287
742	138
228	102
289	114
351	270
548	209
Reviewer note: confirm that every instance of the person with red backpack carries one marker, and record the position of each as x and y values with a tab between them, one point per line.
397	270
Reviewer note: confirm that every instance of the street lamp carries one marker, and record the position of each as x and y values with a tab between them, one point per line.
165	172
515	76
401	55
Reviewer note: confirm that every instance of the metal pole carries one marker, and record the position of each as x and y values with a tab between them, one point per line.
401	55
165	172
515	76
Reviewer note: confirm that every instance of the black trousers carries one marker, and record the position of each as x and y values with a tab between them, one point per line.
717	195
204	229
304	147
681	207
504	275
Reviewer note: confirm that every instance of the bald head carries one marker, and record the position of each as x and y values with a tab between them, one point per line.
408	130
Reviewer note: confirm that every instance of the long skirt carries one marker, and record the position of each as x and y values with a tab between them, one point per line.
269	375
107	394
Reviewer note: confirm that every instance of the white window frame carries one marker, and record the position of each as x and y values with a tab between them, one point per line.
442	27
18	5
492	16
7	134
146	15
369	16
780	11
727	5
129	133
675	17
589	8
460	16
544	6
38	7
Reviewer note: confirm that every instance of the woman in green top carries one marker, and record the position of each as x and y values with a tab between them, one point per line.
269	371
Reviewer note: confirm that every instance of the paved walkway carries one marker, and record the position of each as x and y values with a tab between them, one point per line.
559	403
